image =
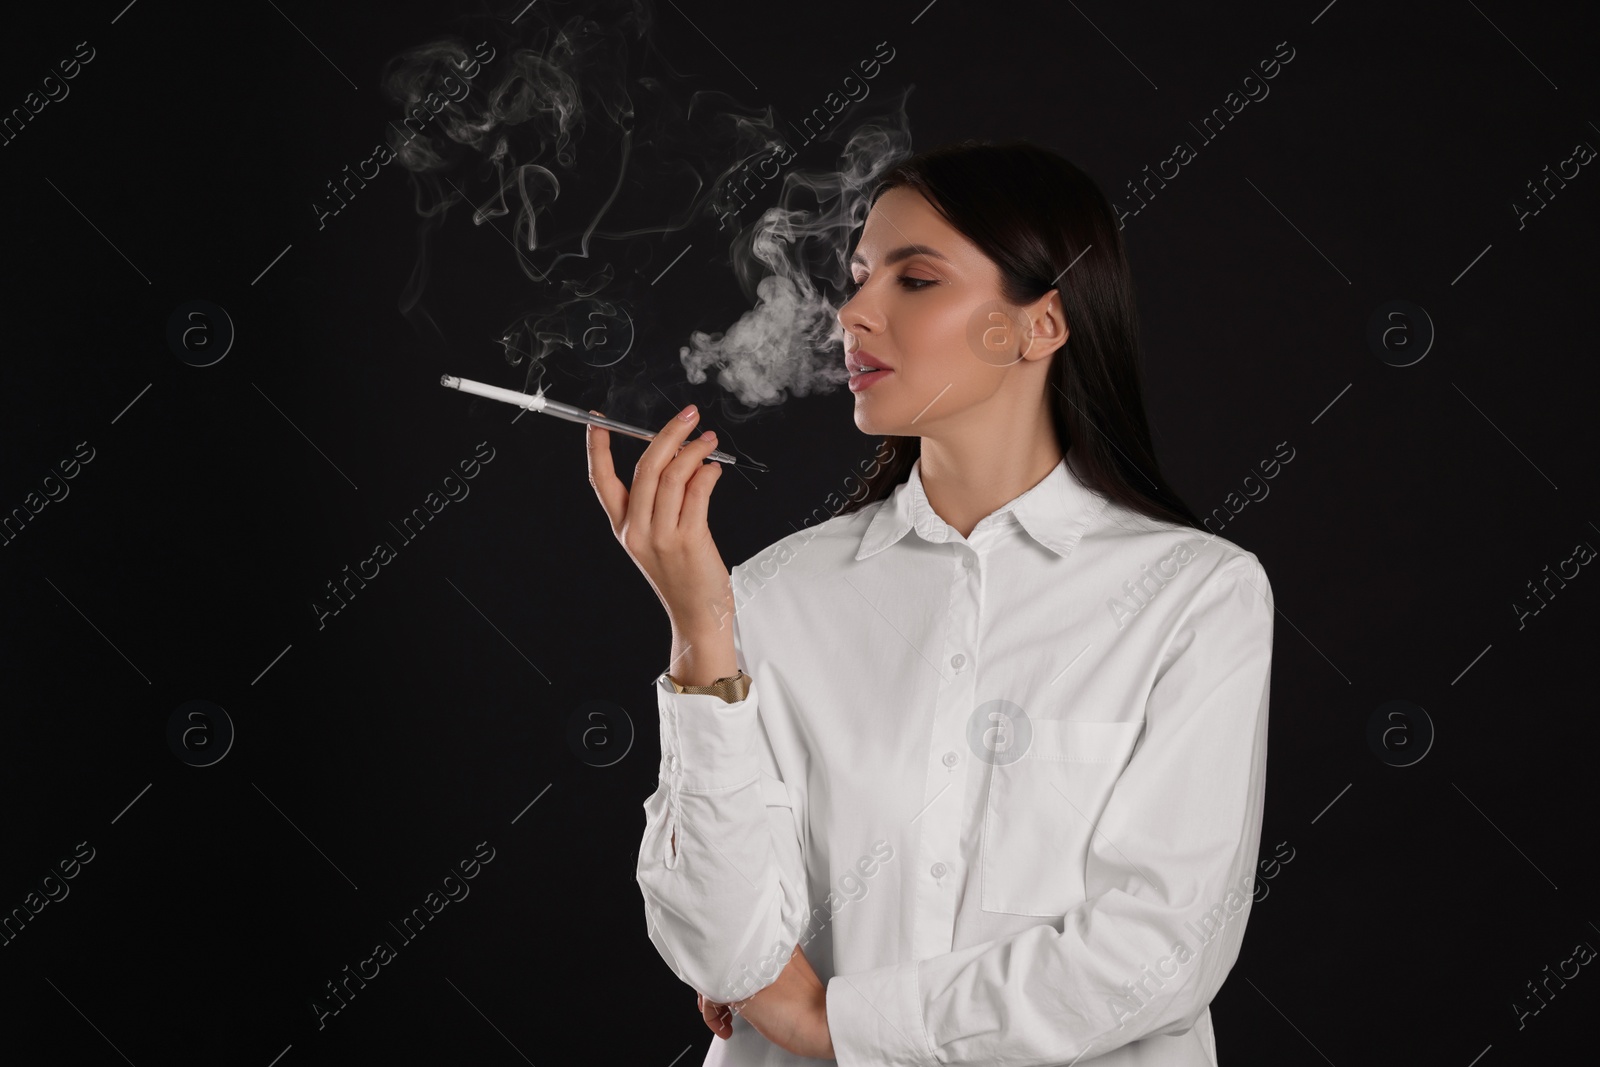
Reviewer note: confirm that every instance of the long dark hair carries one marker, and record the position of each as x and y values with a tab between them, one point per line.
1035	215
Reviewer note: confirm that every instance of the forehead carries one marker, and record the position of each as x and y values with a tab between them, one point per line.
902	217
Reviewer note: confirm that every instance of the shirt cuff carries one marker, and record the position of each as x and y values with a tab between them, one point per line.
707	743
875	1018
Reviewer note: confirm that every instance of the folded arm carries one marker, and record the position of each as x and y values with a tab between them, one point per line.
720	865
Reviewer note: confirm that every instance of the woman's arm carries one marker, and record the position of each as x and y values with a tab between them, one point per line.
720	865
1168	881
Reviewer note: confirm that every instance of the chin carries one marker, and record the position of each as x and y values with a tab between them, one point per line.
873	427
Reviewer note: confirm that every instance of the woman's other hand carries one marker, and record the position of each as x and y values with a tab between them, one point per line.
792	1012
717	1016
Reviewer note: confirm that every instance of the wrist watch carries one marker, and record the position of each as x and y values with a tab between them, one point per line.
733	688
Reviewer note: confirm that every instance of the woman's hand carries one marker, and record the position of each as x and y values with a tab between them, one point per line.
661	522
792	1012
717	1016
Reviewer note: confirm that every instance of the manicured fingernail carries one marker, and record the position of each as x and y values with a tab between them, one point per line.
687	413
710	435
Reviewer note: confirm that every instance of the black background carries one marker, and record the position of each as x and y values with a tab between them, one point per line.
373	754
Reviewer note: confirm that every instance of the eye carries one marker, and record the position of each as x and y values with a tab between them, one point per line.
852	287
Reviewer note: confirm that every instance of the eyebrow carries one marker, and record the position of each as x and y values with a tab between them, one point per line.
903	252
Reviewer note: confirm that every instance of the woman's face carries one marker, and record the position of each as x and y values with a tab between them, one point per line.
937	319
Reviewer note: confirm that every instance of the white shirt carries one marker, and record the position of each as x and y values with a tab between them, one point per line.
1005	790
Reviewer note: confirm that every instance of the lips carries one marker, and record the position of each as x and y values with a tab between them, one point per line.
866	376
859	360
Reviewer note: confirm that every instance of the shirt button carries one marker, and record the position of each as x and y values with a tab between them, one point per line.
950	759
957	660
672	761
971	562
937	870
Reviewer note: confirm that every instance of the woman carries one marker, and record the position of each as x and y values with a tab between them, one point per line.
972	771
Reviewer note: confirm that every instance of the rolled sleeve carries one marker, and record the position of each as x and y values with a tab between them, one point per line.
706	742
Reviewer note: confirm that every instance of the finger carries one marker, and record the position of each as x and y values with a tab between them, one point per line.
711	1011
697	497
657	454
603	476
674	482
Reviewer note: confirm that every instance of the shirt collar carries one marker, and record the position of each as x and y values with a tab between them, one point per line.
1055	512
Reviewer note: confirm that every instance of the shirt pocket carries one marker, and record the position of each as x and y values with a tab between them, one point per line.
1042	811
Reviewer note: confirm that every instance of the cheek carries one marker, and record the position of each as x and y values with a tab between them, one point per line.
939	341
995	336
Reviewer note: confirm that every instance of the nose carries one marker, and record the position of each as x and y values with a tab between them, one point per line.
855	317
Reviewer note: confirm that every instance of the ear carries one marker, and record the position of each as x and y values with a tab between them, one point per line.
1047	326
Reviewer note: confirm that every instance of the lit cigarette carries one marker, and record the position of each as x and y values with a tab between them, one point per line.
543	404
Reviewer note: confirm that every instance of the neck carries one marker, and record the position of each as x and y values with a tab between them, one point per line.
967	481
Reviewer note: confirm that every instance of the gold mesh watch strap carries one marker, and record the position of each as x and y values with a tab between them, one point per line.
731	689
